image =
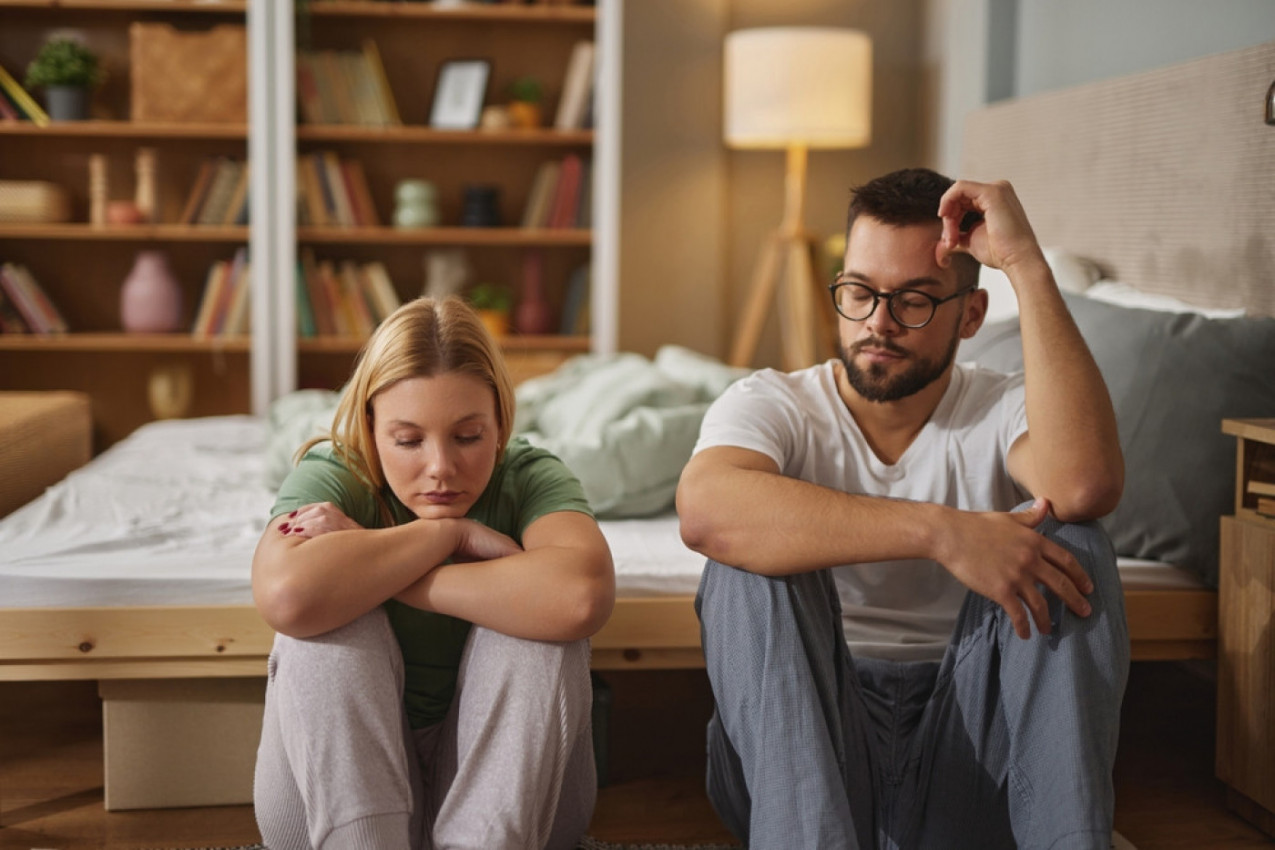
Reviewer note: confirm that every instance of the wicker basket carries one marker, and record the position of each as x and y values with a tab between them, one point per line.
189	77
33	202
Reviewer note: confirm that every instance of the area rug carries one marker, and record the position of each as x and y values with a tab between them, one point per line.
1118	842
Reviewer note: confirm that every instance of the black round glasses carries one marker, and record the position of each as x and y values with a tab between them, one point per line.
911	308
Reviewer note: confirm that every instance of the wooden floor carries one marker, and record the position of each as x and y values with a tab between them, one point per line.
51	770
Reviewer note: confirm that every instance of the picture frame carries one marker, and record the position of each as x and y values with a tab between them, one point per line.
459	94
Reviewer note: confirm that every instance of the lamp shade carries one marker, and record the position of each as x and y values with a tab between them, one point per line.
798	85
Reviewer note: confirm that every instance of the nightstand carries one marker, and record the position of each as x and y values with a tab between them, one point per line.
1246	634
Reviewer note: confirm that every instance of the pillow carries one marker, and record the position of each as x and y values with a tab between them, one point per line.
1072	273
1173	377
1124	295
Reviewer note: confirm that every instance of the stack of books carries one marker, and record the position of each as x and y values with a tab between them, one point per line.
561	194
345	299
224	308
345	87
219	195
24	306
332	192
575	107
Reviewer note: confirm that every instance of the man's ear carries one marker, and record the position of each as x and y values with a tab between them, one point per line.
975	312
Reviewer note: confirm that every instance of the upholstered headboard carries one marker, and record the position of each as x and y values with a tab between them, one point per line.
1165	178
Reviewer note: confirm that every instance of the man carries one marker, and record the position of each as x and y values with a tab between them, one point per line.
897	659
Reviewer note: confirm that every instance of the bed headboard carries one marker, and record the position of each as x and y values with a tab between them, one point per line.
1165	178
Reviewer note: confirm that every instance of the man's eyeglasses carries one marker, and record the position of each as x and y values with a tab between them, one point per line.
911	308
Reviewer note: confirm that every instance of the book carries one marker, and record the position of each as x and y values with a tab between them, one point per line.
238	316
360	194
20	300
51	320
11	321
312	111
236	211
1261	488
575	305
358	315
337	310
584	206
22	100
306	328
577	85
338	199
198	190
220	190
386	96
1266	506
213	284
9	112
540	198
324	324
382	294
311	191
567	197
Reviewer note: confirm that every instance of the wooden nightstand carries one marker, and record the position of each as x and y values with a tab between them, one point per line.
1246	633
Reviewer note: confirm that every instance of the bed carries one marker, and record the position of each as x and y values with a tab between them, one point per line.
156	605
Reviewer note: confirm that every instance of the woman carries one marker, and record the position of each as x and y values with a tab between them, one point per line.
391	721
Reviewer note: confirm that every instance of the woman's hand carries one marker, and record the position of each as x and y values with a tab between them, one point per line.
313	520
479	543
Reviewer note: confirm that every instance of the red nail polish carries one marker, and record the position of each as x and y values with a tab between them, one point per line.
298	530
283	528
291	515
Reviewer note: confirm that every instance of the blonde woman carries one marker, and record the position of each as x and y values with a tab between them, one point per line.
433	584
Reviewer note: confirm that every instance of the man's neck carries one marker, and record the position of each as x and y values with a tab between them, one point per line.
891	426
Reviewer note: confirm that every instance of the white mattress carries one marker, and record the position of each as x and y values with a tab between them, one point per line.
170	516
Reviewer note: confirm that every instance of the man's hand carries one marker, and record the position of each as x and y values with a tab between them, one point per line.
999	556
1002	239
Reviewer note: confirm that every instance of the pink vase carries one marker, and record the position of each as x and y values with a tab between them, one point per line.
151	298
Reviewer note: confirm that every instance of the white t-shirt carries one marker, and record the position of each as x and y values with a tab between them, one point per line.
900	610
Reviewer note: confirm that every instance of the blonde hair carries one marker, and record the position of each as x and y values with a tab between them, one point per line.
423	338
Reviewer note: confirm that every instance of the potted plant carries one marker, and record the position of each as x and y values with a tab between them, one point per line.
67	71
493	302
525	95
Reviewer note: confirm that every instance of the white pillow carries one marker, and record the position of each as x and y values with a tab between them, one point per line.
1073	274
1124	295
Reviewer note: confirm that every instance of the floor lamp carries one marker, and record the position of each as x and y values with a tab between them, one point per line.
794	89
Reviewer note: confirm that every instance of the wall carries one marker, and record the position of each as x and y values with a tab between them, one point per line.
980	51
693	214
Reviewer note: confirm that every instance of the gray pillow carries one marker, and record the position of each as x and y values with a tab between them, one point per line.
1173	378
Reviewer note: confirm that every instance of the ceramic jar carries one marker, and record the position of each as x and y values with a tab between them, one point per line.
151	297
415	204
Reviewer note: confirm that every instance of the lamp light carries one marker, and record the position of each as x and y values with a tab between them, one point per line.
793	88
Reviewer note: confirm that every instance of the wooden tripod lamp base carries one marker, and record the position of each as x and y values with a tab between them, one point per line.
784	273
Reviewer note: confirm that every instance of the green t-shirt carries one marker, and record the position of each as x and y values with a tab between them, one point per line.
527	484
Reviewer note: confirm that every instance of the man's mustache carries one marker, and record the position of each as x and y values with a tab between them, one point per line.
878	342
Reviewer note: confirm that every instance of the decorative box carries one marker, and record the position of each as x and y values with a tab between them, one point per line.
189	77
33	202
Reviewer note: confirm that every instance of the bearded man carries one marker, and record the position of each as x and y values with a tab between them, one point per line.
899	659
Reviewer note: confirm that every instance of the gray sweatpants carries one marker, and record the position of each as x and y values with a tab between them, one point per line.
511	765
1006	743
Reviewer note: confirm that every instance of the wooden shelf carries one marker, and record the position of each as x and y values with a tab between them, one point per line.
428	135
513	342
472	12
481	236
130	233
106	343
202	7
125	130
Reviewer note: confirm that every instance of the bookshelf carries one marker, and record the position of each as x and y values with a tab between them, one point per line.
412	40
82	266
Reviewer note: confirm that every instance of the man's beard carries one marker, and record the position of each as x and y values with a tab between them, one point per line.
873	383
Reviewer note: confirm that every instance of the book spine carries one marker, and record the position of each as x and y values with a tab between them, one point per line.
12	285
20	97
51	318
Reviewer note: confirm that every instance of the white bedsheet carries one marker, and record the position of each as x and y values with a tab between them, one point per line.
170	516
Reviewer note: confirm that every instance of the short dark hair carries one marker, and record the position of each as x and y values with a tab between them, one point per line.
905	197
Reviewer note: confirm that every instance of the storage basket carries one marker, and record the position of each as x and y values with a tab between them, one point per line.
33	202
189	77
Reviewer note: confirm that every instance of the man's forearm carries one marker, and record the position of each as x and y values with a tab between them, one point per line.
1075	457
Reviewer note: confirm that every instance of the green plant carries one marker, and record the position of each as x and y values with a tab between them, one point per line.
64	62
492	296
526	89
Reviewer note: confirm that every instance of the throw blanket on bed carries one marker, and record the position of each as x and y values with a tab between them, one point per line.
625	425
